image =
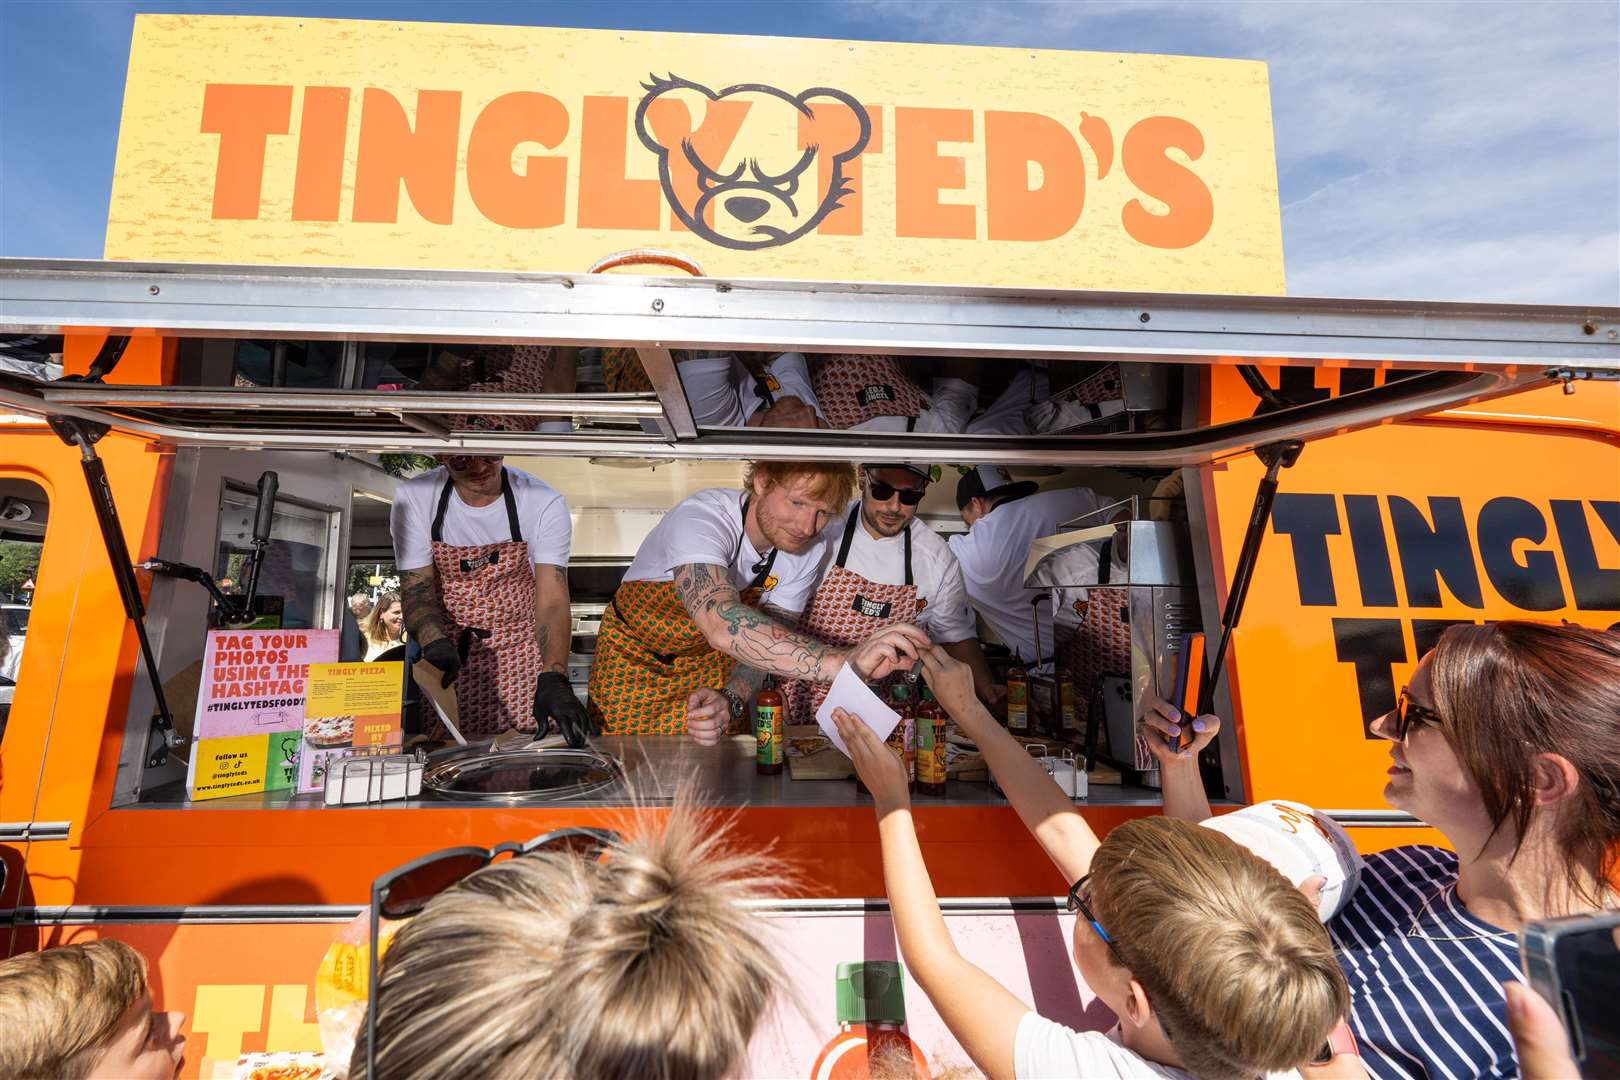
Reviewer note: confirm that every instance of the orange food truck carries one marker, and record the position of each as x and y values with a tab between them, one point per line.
306	221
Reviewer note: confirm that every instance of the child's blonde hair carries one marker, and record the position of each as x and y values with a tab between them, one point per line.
1233	958
59	1008
644	965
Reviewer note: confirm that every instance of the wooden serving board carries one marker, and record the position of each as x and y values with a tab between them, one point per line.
812	756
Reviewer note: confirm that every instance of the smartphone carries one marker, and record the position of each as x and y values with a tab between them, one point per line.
1574	963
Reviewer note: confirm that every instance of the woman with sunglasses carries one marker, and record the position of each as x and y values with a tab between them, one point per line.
1215	966
885	567
1507	741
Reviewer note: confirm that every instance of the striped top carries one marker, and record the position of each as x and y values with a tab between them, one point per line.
1423	1006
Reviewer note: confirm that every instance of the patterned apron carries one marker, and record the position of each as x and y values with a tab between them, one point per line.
845	610
854	389
487	591
493	369
651	655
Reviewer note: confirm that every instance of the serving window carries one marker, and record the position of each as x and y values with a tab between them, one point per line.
329	559
625	433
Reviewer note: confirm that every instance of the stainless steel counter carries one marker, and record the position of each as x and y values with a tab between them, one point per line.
657	765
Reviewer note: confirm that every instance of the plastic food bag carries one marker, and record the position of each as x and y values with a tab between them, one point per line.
341	988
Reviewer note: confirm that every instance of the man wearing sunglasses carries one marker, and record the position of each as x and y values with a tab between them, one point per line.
1003	518
884	566
482	552
710	605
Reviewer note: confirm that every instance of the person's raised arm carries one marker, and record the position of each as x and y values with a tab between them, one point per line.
754	638
981	1013
971	653
1046	811
1182	783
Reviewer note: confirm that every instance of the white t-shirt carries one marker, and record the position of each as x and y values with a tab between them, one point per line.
992	556
707	528
722	393
945	616
1046	1050
543	519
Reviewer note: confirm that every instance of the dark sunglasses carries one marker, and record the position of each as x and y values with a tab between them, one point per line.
405	890
882	492
1080	900
1409	713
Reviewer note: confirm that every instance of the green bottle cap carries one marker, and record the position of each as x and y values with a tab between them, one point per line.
870	992
899	692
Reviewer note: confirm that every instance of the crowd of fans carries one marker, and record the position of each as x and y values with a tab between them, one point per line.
641	960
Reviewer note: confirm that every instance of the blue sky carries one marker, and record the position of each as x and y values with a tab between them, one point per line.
1424	150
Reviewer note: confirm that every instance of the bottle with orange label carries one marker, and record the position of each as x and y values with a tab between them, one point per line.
1018	700
903	739
1067	706
930	745
768	706
872	1039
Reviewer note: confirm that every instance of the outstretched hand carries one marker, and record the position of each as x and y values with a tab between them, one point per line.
950	680
893	648
1163	726
879	768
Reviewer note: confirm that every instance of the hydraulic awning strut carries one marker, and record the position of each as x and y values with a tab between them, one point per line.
1277	456
85	434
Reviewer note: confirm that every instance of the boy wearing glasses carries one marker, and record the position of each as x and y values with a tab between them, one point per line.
883	567
482	552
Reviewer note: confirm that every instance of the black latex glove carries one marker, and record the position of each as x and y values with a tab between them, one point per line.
555	700
442	654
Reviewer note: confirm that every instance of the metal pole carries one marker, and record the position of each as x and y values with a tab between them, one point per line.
1277	456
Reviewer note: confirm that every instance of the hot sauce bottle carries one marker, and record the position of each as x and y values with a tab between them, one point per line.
1068	710
1017	700
903	739
872	1039
768	730
930	745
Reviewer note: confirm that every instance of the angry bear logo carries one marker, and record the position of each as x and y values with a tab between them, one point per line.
781	171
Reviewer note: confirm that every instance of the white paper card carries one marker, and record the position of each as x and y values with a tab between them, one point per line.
850	693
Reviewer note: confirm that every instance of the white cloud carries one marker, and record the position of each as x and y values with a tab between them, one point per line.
1466	151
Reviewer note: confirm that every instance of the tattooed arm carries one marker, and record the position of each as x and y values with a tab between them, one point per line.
553	626
747	680
424	613
752	637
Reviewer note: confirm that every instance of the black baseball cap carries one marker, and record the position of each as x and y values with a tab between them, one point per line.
991	482
928	473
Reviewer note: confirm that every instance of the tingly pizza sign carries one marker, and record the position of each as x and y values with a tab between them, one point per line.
280	140
250	709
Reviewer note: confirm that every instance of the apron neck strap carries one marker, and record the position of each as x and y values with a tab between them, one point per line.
849	535
762	387
506	496
763	571
511	507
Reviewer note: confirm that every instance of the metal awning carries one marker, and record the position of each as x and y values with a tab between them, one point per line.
49	296
1450	353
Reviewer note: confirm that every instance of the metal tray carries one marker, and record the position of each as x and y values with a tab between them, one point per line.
530	775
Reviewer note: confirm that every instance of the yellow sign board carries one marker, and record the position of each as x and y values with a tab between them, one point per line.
359	690
315	141
229	766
